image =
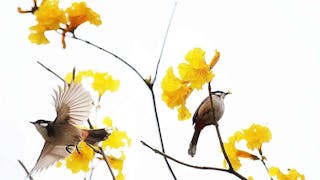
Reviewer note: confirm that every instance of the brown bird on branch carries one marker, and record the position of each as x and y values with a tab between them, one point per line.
206	115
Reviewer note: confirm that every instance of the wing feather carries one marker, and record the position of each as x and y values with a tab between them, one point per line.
48	156
73	104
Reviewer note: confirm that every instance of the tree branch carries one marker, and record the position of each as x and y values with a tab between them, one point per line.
51	71
107	162
231	170
111	53
180	162
101	152
25	169
149	84
163	44
160	134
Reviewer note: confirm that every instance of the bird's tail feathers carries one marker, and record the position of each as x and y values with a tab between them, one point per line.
193	144
94	136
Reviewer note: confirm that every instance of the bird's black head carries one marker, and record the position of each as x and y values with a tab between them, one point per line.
41	122
220	93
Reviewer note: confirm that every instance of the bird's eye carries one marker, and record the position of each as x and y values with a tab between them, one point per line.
43	124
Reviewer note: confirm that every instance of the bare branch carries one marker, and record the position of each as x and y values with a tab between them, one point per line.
183	163
101	152
107	162
164	43
231	170
25	169
50	71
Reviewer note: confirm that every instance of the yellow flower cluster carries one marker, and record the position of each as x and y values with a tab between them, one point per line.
117	140
50	17
255	136
292	174
194	73
79	161
102	82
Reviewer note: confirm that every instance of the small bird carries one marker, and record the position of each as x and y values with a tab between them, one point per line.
205	116
73	104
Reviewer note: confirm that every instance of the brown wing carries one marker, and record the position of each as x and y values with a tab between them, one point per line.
49	155
204	107
73	104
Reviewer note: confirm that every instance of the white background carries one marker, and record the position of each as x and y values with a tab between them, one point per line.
269	60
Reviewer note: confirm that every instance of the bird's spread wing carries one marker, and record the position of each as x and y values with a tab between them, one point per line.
73	104
49	155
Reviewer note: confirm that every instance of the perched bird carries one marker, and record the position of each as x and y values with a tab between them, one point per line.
205	115
73	104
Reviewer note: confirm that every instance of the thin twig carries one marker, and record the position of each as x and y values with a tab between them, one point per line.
107	162
164	43
25	169
111	53
159	132
51	71
150	87
183	163
262	158
101	151
218	132
231	170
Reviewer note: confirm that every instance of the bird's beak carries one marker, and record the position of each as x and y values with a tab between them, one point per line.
32	122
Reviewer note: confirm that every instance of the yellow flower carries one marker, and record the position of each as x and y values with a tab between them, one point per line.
58	164
232	151
49	17
79	76
250	178
183	113
175	92
107	121
103	82
79	161
292	174
120	176
245	154
117	139
256	135
215	59
193	75
78	14
196	71
117	163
